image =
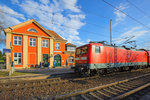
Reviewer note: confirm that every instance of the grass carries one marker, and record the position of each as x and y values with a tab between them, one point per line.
6	73
1	61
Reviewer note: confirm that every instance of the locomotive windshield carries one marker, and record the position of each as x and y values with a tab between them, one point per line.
82	50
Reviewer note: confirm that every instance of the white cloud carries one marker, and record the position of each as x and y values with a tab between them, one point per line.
62	16
88	40
51	15
147	46
15	1
8	18
135	31
10	12
46	2
70	4
119	15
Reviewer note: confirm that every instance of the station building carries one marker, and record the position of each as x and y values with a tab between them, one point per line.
33	45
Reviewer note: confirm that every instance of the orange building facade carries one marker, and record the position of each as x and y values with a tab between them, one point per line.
33	45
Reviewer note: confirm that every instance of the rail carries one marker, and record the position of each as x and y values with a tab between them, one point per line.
113	91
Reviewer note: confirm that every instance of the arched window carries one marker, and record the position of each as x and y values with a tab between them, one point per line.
32	30
71	59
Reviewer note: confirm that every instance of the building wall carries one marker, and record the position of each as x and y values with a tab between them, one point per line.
24	29
64	56
17	49
32	53
32	56
25	51
45	50
8	55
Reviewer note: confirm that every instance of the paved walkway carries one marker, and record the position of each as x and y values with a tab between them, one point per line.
40	72
48	71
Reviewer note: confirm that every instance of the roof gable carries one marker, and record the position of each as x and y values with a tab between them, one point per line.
56	36
69	44
25	26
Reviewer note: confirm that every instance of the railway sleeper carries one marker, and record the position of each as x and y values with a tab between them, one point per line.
108	90
31	81
37	85
102	93
126	86
94	95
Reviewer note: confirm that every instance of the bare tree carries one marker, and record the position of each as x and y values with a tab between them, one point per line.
2	25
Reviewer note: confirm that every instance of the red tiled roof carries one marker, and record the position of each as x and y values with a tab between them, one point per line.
70	44
55	35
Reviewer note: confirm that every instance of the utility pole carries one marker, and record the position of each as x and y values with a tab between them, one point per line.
110	32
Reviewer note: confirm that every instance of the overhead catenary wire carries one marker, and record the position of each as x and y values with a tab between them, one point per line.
87	11
83	30
138	8
137	21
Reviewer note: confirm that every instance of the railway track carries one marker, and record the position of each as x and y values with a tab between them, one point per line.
45	88
29	84
140	93
22	85
113	91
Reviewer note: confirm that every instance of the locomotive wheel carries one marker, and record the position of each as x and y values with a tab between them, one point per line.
85	73
130	68
121	69
102	72
93	72
135	67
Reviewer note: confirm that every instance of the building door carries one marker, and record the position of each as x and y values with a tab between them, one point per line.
57	59
45	60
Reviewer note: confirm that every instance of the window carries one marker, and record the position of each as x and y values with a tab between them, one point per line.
97	49
71	59
17	40
84	50
145	54
17	58
32	42
32	30
78	51
70	48
45	43
57	45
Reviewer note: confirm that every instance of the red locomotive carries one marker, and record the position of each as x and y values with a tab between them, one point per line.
97	57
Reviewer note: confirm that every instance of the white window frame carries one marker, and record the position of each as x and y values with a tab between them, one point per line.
45	43
32	30
70	48
17	58
57	46
32	41
18	40
97	49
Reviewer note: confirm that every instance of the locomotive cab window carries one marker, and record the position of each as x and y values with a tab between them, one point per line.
84	50
78	51
97	49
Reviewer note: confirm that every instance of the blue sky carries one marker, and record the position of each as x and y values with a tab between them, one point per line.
81	21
